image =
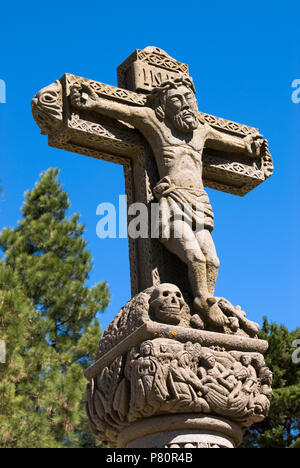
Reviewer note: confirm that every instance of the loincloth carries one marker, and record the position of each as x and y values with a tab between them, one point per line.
187	204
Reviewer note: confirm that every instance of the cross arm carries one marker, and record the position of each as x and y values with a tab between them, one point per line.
250	145
85	98
226	166
82	131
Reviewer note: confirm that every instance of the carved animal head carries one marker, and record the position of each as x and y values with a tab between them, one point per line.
47	108
268	166
167	304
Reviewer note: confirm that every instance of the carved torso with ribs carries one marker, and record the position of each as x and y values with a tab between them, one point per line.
178	157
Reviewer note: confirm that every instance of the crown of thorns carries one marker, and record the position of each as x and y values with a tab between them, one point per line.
172	83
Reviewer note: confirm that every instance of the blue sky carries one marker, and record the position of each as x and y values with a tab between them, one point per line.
243	58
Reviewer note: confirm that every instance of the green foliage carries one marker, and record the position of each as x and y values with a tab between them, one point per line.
282	427
23	422
49	323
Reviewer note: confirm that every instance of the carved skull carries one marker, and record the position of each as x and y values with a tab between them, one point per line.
167	303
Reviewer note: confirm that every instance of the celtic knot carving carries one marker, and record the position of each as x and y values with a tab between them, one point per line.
159	58
112	92
232	127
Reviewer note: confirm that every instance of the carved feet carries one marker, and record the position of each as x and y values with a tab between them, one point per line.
221	314
210	310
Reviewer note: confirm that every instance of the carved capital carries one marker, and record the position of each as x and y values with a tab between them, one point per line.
171	369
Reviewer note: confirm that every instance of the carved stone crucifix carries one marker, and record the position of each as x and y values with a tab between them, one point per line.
169	150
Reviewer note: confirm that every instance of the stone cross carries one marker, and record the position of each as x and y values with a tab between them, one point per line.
85	131
174	348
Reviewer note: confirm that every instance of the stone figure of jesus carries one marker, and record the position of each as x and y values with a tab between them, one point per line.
171	124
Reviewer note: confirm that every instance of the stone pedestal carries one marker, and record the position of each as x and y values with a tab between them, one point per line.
158	384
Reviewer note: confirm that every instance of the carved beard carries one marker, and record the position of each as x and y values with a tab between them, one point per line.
185	121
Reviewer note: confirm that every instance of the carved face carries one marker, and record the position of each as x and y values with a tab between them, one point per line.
167	303
266	376
209	360
183	359
246	360
146	348
181	109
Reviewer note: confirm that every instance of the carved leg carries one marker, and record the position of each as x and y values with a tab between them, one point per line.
213	313
197	276
207	246
189	246
185	245
212	276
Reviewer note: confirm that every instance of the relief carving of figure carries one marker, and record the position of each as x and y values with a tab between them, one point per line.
147	381
263	394
166	376
247	380
185	386
232	390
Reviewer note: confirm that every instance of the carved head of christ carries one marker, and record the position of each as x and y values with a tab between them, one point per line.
174	100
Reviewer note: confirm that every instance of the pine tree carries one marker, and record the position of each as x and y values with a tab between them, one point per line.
282	427
23	421
48	254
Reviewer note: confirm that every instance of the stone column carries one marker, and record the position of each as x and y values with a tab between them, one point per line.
160	383
181	431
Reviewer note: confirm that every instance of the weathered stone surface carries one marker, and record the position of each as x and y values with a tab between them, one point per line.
148	315
89	132
145	69
181	431
175	348
86	135
170	123
172	370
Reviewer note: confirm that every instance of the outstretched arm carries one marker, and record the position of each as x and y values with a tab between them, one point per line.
84	97
250	145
